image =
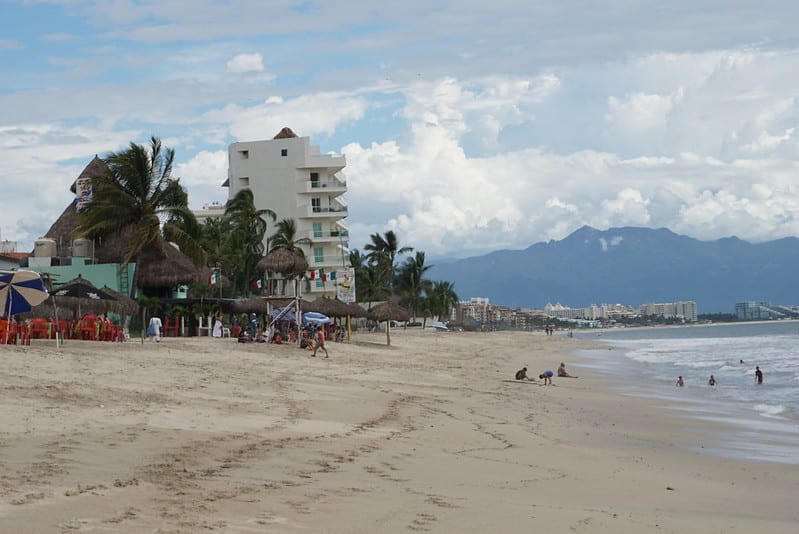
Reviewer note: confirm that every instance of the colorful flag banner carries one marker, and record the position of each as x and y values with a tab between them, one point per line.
214	278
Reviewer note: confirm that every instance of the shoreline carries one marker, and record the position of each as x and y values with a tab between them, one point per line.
425	435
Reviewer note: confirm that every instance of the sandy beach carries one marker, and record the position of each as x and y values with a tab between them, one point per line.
428	435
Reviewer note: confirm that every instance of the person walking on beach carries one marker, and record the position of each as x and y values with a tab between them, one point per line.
217	331
758	375
154	329
680	382
320	342
711	381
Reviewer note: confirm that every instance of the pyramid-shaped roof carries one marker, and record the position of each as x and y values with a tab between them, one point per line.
285	133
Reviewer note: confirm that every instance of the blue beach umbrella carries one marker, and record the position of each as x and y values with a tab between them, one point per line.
20	291
315	317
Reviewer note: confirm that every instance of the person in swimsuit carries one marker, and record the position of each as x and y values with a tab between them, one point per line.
711	381
680	382
546	376
563	373
758	375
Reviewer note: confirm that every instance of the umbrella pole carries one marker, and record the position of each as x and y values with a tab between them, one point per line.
57	332
388	332
8	314
349	329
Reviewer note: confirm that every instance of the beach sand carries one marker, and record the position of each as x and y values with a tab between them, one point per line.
428	435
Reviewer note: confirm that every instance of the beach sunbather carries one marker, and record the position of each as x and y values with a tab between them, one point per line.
563	373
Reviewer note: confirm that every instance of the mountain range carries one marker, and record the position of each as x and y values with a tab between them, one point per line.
631	265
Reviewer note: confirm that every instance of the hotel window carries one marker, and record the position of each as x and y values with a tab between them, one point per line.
244	154
319	254
314	179
284	152
244	181
316	204
317	229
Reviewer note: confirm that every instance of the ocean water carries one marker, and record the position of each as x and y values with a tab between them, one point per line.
759	422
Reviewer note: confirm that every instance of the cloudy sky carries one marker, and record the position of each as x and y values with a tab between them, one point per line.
467	126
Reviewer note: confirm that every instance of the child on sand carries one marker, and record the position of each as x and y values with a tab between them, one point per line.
521	374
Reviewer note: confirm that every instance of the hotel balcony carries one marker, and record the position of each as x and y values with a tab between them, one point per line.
325	186
333	212
324	161
333	236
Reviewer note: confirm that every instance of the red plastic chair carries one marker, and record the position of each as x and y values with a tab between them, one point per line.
39	329
172	327
89	328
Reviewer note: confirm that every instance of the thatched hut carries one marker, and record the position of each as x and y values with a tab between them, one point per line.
388	311
122	304
159	265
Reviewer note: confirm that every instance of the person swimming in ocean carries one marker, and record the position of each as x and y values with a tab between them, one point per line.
711	381
758	375
680	382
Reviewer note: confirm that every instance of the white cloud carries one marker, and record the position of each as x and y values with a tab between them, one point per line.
243	63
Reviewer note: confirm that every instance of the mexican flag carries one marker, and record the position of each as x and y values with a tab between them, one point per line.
258	284
214	278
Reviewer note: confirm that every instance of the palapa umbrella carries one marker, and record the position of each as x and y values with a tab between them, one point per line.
328	306
250	305
122	304
284	261
388	311
291	265
82	295
356	310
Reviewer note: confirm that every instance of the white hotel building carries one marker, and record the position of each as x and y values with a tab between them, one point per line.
290	177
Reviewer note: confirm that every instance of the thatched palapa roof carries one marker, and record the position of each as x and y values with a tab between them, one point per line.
285	133
329	307
285	262
389	311
155	268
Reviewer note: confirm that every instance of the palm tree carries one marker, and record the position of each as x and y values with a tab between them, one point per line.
247	226
214	232
442	298
285	237
411	282
133	199
383	251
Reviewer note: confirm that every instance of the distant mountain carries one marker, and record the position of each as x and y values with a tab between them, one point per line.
631	266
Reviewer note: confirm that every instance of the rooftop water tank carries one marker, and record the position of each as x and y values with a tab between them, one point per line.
82	248
44	247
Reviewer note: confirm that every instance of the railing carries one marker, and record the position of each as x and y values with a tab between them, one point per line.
318	184
335	234
320	209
